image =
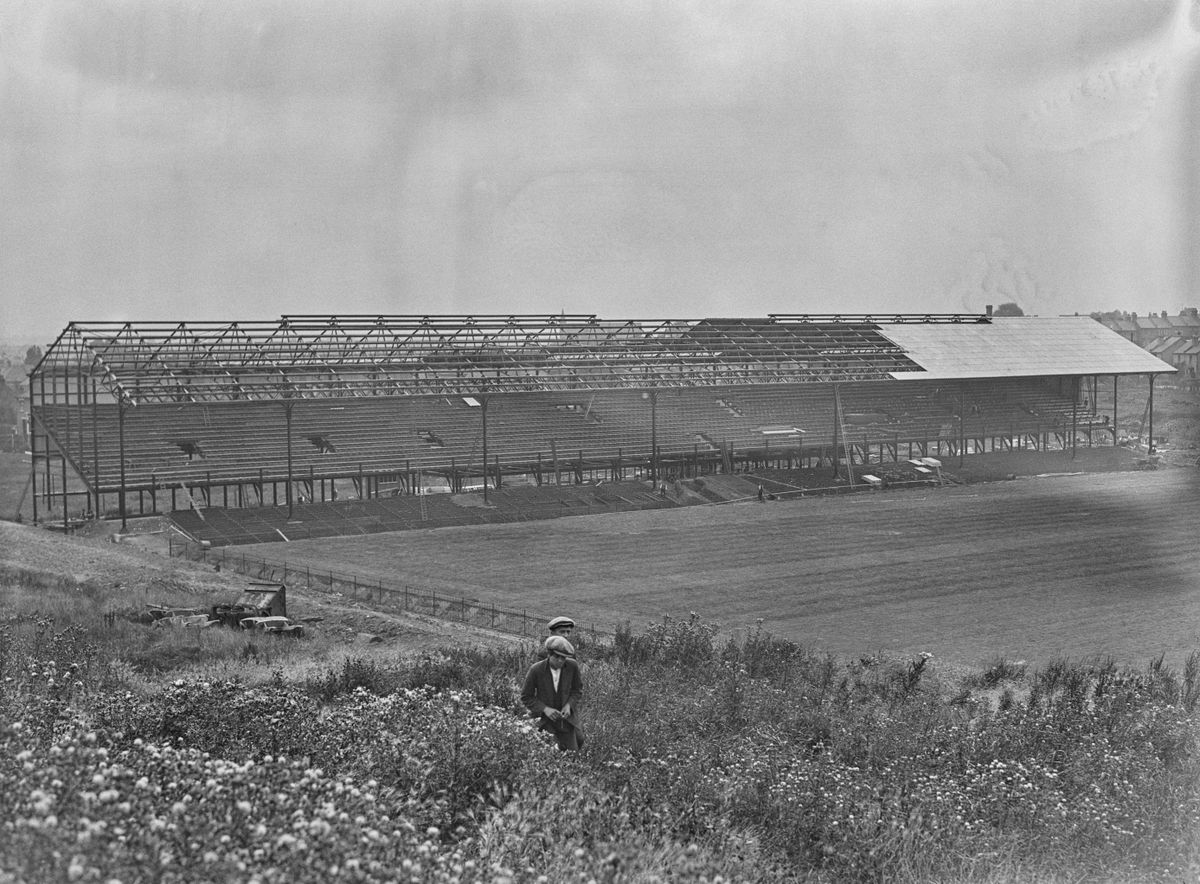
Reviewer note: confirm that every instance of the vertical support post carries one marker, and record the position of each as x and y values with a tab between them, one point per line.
33	453
837	423
1114	427
1150	449
287	416
652	395
483	405
1074	414
48	490
62	452
121	446
95	450
962	423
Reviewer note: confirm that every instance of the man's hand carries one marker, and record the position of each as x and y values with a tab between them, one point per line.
552	714
566	711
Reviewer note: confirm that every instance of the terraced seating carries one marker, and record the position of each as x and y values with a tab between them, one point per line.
241	443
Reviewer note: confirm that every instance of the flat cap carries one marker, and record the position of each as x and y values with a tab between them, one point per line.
560	622
556	644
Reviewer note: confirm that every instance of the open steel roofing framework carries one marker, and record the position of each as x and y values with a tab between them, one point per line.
311	356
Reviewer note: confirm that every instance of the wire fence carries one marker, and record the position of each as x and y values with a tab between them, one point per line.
380	594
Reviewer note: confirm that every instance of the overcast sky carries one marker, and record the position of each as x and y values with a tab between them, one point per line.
241	159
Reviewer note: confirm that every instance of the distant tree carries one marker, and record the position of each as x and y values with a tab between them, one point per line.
1008	308
33	355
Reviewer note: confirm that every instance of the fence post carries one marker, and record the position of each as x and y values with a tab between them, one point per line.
522	621
433	600
463	615
493	615
406	597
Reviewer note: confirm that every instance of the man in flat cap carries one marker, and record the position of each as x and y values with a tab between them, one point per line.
553	692
561	626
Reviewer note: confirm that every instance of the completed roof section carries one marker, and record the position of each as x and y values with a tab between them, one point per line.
299	357
1019	346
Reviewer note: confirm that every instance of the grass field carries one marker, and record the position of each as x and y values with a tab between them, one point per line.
1033	569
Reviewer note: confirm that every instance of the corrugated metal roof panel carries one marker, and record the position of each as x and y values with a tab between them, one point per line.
1021	346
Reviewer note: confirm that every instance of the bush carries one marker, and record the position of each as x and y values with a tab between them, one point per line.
752	761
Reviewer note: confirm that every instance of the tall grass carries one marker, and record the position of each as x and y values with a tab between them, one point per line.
757	760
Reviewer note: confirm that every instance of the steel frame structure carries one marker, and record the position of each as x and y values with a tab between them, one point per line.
330	356
97	373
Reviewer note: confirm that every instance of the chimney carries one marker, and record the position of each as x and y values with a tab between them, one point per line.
989	309
1164	314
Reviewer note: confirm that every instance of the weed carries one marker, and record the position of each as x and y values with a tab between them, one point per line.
999	672
753	761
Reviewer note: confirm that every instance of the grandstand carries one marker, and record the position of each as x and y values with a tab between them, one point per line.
190	416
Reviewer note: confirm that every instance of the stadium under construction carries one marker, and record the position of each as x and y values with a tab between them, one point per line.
155	417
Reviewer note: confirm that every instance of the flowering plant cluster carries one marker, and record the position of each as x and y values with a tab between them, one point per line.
754	762
77	810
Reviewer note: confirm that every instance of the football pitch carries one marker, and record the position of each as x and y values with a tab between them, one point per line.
1075	566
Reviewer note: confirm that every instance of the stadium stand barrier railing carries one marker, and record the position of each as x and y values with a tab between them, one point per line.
383	595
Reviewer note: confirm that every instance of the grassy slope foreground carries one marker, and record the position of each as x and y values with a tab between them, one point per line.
705	760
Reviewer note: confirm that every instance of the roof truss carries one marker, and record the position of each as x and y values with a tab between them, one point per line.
309	356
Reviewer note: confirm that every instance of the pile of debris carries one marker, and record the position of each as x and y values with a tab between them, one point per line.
262	607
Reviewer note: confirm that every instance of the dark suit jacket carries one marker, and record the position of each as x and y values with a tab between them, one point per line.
539	693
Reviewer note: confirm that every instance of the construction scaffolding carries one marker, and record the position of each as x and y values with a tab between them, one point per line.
302	357
309	407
